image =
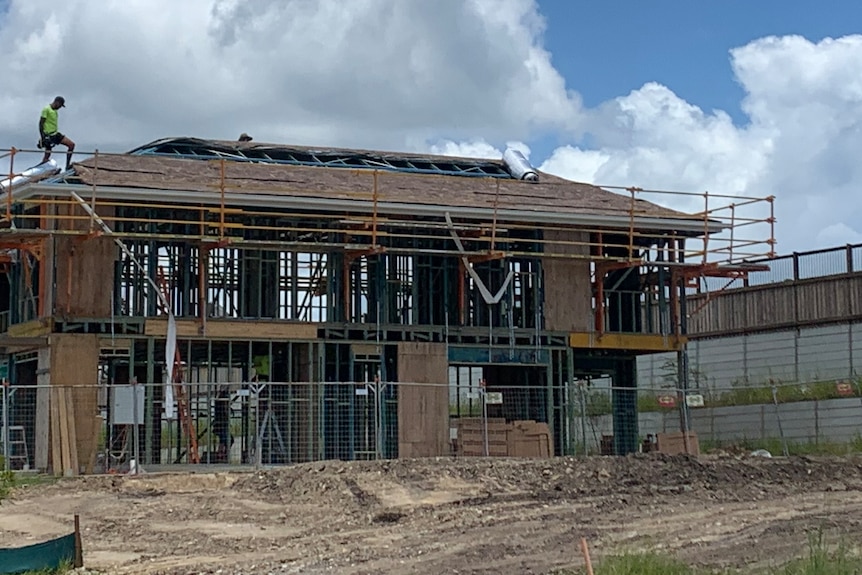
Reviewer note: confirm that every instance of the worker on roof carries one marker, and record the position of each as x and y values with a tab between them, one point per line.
245	137
49	134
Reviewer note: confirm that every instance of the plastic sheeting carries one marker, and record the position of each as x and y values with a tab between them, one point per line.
46	556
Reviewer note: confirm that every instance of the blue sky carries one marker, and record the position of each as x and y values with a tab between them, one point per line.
607	48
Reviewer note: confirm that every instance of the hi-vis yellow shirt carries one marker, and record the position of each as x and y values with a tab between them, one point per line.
50	115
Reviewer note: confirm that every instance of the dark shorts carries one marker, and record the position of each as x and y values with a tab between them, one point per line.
52	140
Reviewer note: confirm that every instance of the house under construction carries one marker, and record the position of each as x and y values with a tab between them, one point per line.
188	260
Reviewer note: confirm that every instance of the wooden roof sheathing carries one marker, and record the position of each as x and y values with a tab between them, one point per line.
549	195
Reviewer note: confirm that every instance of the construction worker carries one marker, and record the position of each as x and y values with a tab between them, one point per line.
49	135
245	137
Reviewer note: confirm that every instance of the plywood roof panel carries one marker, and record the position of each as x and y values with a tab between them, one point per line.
549	195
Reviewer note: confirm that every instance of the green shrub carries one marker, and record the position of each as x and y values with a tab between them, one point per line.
7	482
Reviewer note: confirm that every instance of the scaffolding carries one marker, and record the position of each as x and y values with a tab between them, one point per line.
309	276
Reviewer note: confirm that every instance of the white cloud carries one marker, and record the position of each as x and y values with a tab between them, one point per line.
654	139
366	72
838	234
468	149
802	143
458	77
478	148
576	164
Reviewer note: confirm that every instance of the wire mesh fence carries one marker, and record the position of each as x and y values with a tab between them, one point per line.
126	428
119	428
820	417
811	264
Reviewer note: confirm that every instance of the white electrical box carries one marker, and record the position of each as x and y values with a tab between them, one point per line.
127	404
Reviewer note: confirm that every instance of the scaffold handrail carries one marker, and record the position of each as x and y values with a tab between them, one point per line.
219	215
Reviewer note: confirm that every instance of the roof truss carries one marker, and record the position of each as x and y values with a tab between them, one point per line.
203	150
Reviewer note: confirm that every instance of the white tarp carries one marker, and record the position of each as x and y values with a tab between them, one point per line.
170	354
486	293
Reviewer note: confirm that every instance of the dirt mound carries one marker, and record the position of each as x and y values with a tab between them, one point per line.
442	515
359	485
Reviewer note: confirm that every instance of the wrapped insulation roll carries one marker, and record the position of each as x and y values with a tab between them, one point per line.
519	166
39	172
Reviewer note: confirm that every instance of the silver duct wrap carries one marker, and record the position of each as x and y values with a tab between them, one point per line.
39	172
519	166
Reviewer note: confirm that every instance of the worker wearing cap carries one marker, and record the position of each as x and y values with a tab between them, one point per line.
49	134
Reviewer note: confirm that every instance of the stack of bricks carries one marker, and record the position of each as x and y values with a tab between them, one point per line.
515	439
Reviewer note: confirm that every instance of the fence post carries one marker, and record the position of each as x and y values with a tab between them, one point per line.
378	416
778	419
136	448
682	389
582	399
4	386
258	426
485	419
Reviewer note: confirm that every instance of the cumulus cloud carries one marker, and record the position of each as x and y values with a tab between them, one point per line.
386	73
478	148
458	77
653	139
801	143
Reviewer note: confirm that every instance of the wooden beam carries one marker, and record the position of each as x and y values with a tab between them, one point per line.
22	344
34	328
635	342
63	432
72	434
42	451
56	451
115	343
229	329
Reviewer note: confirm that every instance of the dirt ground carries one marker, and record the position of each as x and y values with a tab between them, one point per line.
446	515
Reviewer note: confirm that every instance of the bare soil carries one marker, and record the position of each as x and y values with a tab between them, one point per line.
446	515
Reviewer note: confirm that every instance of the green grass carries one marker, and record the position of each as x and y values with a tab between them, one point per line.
643	564
33	479
755	395
745	395
598	402
640	564
7	480
774	446
821	559
65	568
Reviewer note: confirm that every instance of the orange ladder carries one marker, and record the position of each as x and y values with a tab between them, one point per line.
183	409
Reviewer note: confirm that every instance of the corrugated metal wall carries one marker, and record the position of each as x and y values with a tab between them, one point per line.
809	354
833	420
